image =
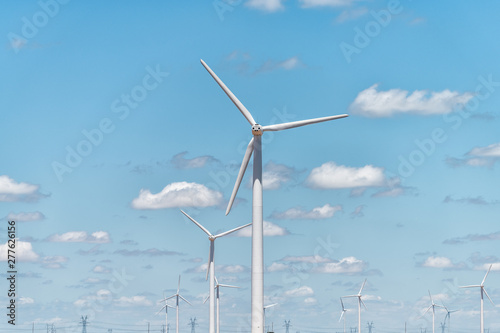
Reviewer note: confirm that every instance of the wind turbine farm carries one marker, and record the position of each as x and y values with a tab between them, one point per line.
343	150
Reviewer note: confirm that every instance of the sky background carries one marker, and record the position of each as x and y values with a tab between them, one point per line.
110	125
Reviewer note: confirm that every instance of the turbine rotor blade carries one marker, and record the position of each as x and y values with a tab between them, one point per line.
232	230
179	285
229	94
471	286
482	283
293	124
161	309
362	286
361	301
271	305
341	315
342	304
206	299
227	286
198	224
210	257
185	300
241	173
488	296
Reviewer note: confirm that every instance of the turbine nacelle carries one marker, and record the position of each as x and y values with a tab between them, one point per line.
257	130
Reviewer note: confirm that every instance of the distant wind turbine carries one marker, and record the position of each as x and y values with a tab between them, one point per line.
483	291
433	307
177	297
344	310
217	286
211	266
360	301
448	315
267	307
255	147
166	306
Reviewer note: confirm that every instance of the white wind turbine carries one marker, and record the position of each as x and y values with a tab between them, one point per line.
255	147
344	310
211	266
433	307
360	301
267	307
217	286
483	291
177	297
448	315
166	306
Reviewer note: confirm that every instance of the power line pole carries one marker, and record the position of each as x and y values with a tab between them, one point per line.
287	325
193	323
84	324
370	326
443	327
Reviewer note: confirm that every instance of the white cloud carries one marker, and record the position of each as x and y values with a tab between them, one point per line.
333	176
100	237
24	252
266	5
310	301
478	157
181	194
54	262
437	262
25	217
299	292
133	301
101	269
348	265
316	213
492	150
26	300
180	162
10	190
351	14
277	267
308	259
326	3
270	229
373	103
275	175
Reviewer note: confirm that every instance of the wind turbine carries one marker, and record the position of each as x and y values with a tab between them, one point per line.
433	307
166	306
360	301
343	312
255	146
211	266
217	286
483	291
448	315
177	297
264	310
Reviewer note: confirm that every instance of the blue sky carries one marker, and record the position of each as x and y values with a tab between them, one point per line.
111	125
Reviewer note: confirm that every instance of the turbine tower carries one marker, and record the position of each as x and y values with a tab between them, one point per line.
211	266
360	301
483	291
177	297
343	312
166	306
264	310
255	147
433	307
287	325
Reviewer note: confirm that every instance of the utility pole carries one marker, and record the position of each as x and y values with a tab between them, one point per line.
163	328
354	329
287	325
193	324
370	326
84	324
443	327
53	330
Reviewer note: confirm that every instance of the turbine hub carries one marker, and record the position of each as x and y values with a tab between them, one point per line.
257	130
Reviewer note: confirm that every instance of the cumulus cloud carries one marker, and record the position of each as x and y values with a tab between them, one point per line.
270	229
477	157
221	269
373	103
348	265
333	176
326	3
277	267
100	269
299	292
133	301
54	262
438	262
99	237
181	194
25	216
275	175
316	259
11	191
317	213
180	162
26	300
266	5
24	252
